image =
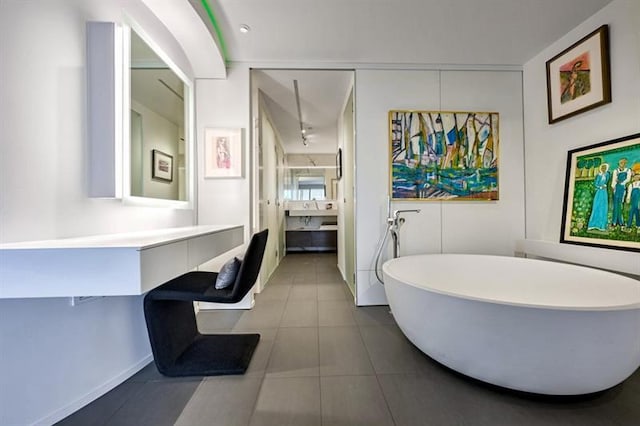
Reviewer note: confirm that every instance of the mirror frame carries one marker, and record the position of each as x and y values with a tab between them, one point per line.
189	124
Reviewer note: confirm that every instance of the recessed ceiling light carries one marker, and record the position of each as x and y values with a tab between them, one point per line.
244	28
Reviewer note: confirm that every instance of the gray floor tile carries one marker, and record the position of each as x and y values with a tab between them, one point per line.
390	351
210	321
156	403
102	409
331	292
333	313
304	292
266	314
274	292
342	352
329	277
300	313
420	400
373	315
150	373
294	353
260	359
281	278
353	401
305	277
221	401
291	401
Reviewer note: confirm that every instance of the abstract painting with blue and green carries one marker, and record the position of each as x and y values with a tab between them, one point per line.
438	155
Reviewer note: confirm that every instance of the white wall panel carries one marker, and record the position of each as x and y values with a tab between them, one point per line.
377	92
478	227
488	227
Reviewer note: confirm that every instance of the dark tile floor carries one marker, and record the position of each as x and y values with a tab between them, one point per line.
322	361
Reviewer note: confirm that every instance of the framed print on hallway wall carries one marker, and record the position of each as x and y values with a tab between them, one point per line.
578	78
222	153
162	166
602	195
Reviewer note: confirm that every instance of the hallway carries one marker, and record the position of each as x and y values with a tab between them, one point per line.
322	361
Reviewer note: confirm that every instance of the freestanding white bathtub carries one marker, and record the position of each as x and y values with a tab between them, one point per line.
523	324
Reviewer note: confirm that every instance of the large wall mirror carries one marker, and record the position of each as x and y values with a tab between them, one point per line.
310	183
160	116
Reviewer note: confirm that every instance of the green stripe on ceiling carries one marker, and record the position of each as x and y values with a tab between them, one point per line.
214	22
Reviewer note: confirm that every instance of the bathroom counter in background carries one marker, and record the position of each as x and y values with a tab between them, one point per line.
110	265
312	212
316	232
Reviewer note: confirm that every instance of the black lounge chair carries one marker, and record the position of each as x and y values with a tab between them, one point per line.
179	349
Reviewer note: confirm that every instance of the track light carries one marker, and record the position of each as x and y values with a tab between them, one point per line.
302	129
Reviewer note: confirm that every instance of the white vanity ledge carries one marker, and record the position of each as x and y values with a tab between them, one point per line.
310	212
626	262
110	265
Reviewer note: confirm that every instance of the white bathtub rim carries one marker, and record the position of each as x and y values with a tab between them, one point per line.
424	286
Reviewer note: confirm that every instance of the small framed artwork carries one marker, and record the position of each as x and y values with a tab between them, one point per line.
602	195
578	78
223	153
162	166
339	164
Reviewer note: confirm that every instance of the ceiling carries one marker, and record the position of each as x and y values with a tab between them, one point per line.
331	33
323	95
496	32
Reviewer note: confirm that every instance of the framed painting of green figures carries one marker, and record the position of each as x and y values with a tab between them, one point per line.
602	195
442	155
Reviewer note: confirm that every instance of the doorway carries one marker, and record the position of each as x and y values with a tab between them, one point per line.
304	164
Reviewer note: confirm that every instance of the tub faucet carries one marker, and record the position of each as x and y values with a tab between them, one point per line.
394	221
397	213
394	228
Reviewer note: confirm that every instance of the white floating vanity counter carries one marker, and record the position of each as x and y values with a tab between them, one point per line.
110	265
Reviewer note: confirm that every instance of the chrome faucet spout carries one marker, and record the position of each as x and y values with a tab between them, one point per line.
398	212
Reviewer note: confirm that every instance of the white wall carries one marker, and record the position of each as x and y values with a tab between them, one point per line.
224	103
49	350
448	227
547	145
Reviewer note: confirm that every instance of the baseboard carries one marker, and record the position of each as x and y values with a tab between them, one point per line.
344	278
342	273
96	393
